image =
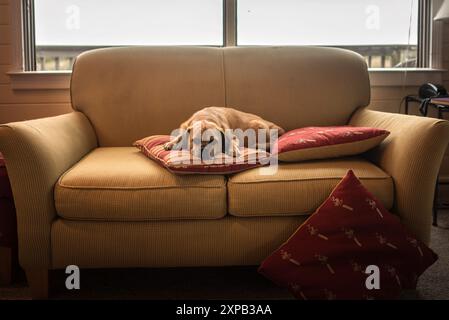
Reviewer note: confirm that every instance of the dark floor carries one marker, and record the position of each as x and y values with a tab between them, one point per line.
215	283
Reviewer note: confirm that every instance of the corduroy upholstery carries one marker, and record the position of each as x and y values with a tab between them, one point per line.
131	93
300	188
296	87
37	152
225	242
121	184
412	155
124	94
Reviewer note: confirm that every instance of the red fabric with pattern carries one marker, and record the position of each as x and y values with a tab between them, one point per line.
5	188
314	137
8	225
327	256
181	162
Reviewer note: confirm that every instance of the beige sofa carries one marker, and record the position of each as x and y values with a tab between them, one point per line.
84	196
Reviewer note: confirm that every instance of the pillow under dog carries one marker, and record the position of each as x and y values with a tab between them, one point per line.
183	162
327	142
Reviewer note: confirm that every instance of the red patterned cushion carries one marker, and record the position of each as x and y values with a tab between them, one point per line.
182	162
8	227
5	188
327	256
327	142
8	233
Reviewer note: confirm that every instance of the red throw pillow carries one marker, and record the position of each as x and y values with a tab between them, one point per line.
327	142
182	162
327	256
5	188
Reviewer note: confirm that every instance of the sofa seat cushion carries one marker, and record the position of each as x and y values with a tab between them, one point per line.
121	184
299	188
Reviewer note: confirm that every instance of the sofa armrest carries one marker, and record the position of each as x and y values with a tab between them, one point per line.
37	152
412	155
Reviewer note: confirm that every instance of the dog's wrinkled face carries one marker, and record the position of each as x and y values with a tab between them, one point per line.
203	133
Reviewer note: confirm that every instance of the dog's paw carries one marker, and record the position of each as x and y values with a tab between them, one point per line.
236	151
168	146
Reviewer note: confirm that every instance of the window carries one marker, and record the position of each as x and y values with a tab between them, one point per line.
389	34
64	28
384	31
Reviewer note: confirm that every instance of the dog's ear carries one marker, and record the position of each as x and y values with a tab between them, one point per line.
222	131
214	126
189	130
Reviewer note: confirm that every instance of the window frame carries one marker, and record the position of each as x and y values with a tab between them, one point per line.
230	31
430	58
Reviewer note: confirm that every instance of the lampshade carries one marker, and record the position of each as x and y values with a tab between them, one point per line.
443	13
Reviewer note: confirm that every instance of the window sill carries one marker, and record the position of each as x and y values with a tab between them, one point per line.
40	80
60	80
409	77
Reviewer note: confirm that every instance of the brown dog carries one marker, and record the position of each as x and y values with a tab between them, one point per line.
222	119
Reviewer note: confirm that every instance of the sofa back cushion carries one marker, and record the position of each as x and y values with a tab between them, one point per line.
130	93
297	87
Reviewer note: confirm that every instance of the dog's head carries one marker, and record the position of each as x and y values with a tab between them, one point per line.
203	133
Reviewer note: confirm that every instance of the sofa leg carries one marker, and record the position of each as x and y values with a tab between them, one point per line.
38	283
5	266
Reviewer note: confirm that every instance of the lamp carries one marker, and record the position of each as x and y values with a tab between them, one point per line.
443	13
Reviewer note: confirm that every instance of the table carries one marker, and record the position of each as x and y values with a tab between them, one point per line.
441	108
